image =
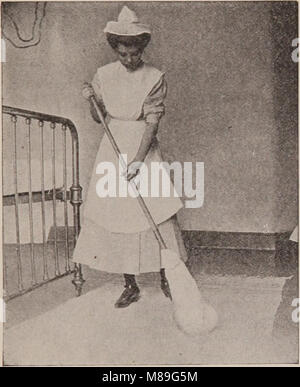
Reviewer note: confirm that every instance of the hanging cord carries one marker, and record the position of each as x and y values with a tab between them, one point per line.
17	28
32	31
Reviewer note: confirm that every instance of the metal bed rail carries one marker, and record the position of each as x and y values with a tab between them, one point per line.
62	194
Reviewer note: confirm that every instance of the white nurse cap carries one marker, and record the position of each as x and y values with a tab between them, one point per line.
127	24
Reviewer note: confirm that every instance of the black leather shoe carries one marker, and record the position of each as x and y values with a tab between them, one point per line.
129	295
164	284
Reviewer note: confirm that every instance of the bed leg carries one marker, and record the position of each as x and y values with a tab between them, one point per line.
78	280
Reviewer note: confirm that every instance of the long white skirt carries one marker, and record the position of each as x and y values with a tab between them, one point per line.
132	253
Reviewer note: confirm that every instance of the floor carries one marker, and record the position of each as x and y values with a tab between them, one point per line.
56	328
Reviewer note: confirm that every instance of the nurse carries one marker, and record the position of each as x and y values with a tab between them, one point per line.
115	236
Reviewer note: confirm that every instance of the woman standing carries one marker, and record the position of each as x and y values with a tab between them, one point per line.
115	235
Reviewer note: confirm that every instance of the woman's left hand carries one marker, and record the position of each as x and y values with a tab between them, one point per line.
133	169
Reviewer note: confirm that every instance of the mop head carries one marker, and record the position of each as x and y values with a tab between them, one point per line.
191	313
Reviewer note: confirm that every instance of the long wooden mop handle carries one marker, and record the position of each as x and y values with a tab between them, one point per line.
133	185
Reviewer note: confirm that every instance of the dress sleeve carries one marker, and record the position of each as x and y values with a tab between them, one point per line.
97	89
154	108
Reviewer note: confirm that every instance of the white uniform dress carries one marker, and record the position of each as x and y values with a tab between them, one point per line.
115	234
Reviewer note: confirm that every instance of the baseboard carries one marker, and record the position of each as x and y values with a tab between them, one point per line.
233	240
256	254
61	234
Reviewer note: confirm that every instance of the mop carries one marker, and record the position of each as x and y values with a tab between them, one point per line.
191	313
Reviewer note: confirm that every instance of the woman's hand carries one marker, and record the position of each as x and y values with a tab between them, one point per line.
135	165
87	91
133	169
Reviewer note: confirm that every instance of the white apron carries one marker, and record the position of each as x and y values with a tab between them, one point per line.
123	94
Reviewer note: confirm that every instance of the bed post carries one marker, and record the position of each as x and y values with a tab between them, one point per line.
76	200
78	280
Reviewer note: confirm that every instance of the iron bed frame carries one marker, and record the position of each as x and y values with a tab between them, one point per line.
62	194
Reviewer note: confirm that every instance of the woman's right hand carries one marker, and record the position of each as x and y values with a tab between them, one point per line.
87	91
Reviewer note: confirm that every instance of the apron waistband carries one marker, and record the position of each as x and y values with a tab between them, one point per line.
110	117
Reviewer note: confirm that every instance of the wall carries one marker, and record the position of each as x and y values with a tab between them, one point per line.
285	99
223	107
